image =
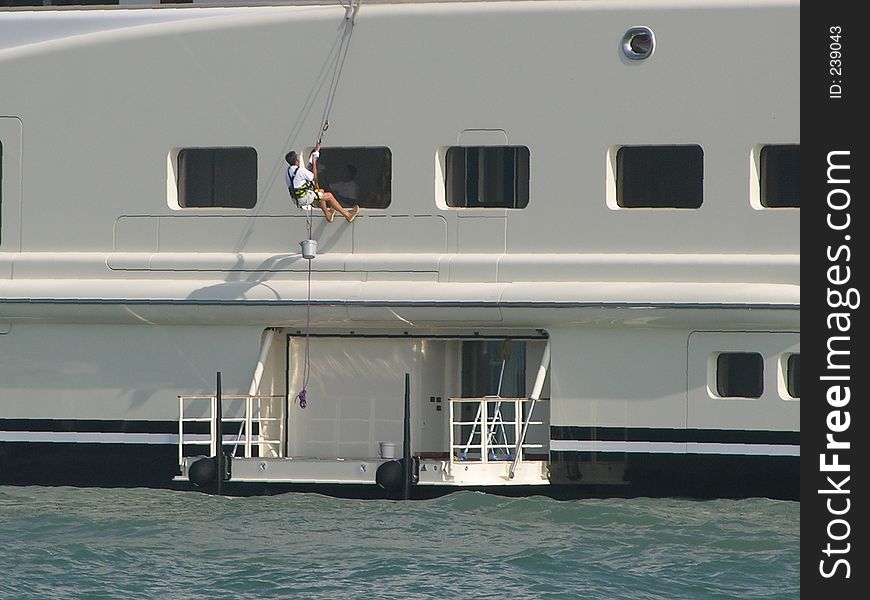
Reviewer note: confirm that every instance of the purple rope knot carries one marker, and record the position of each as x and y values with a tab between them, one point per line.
303	399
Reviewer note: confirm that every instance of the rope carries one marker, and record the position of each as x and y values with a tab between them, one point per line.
350	21
302	396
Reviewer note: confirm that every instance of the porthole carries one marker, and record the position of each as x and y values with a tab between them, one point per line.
638	43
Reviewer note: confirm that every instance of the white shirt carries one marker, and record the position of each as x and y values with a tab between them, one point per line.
301	176
345	189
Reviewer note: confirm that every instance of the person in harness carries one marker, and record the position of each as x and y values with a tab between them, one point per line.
301	185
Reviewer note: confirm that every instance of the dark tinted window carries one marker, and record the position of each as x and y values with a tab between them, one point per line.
779	172
217	177
482	368
487	177
793	375
359	175
33	2
740	375
660	176
80	2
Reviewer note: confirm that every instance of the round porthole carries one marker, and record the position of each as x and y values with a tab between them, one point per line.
638	43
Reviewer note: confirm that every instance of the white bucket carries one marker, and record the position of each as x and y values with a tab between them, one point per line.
387	449
309	248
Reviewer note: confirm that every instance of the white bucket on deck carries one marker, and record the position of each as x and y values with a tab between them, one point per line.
387	449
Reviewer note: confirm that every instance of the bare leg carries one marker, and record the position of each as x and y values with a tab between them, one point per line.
327	212
328	198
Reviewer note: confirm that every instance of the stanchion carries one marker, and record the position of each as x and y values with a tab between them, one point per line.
406	442
219	432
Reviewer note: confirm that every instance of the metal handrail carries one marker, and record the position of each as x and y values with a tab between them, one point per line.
246	422
497	446
483	427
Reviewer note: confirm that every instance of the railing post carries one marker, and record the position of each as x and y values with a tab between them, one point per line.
450	404
212	426
484	426
249	425
284	442
219	457
180	431
285	423
406	450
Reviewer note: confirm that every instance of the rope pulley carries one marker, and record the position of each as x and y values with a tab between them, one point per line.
322	131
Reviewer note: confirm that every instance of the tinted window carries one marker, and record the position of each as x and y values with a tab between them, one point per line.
359	175
779	172
217	177
487	177
740	375
793	376
660	176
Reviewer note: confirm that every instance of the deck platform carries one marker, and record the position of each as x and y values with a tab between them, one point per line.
362	471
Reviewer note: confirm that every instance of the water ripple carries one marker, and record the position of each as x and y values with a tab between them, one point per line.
97	543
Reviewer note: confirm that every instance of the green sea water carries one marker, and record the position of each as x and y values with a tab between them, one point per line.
142	543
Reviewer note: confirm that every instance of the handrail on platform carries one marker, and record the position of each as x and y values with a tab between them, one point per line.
497	438
252	414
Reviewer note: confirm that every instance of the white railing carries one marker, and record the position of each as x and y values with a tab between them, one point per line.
243	410
493	431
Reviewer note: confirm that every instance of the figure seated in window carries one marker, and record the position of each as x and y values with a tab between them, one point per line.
346	189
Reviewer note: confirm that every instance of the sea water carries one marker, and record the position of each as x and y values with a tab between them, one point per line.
142	543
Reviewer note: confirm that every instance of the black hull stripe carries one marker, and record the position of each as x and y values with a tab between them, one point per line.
687	463
709	448
98	426
645	434
557	433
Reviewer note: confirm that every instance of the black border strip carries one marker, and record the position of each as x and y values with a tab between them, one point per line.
98	426
834	254
557	432
648	434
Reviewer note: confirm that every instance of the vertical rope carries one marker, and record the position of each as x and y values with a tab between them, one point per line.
339	66
350	21
302	397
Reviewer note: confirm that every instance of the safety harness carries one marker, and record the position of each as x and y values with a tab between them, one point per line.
298	193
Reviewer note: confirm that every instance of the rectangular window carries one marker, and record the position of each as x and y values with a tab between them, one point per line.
482	368
361	176
779	176
660	176
793	376
490	368
15	3
740	375
217	177
80	2
487	177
